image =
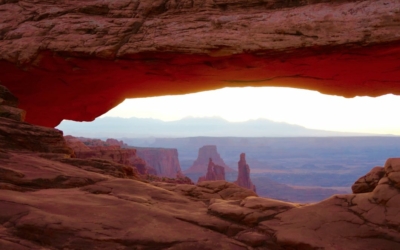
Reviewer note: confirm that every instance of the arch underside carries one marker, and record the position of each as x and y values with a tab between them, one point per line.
81	59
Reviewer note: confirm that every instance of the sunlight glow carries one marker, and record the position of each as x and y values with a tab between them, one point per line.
307	108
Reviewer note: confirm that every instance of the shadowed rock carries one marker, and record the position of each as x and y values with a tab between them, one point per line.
368	182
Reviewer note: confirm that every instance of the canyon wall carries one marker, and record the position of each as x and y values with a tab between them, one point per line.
86	148
78	59
164	160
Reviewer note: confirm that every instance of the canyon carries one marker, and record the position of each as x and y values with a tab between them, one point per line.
47	199
78	59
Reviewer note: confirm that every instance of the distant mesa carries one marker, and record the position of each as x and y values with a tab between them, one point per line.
199	166
243	179
214	172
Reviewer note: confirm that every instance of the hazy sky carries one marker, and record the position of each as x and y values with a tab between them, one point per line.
302	107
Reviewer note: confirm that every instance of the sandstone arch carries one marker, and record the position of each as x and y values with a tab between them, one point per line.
76	60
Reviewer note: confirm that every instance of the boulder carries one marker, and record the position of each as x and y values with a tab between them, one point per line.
368	182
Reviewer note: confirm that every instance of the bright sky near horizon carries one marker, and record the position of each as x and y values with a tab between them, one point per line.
307	108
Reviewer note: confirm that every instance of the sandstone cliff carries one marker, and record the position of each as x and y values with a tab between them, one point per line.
164	160
122	48
214	172
243	179
85	148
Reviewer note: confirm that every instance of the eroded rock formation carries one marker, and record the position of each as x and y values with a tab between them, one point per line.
165	161
243	179
200	165
85	148
85	57
368	182
214	172
9	105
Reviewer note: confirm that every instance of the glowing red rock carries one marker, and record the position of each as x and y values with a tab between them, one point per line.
78	59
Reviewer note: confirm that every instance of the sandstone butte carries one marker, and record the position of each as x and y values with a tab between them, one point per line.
206	152
51	200
78	59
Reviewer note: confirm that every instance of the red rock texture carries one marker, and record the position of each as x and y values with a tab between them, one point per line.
115	142
214	173
164	160
200	165
243	179
85	57
9	105
368	182
85	148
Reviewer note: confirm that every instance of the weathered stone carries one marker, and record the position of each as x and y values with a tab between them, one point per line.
7	98
263	204
107	45
254	239
85	148
23	136
368	182
12	113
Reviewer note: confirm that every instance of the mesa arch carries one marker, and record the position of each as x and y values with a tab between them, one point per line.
76	60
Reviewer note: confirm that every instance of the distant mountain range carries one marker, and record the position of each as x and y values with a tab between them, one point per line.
117	127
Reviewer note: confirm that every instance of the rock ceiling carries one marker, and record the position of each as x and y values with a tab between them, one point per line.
78	59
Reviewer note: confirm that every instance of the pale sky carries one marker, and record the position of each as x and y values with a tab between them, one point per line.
307	108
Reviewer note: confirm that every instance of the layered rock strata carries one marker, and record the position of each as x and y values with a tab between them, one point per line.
214	172
243	179
85	148
125	49
9	105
